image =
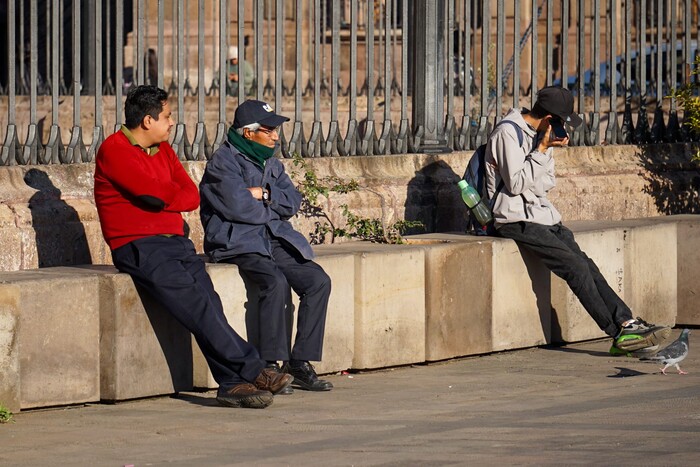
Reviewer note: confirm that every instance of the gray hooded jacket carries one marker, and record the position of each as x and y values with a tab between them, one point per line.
527	175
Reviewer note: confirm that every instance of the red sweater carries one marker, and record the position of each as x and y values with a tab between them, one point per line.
123	172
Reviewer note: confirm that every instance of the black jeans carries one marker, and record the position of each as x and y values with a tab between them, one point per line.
169	269
274	276
556	247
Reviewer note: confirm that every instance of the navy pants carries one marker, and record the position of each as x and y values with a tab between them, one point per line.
273	277
556	247
169	269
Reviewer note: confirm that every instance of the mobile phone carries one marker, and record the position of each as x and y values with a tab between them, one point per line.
558	131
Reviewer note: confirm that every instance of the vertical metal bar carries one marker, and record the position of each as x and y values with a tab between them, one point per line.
500	46
550	43
467	60
22	88
75	151
385	141
516	53
565	11
221	125
627	128
97	132
32	144
119	33
369	135
404	137
673	133
297	143
279	68
240	38
76	63
330	145
174	49
611	132
594	128
180	142
200	144
47	62
259	47
109	85
161	44
485	43
642	130
61	34
139	62
11	147
54	146
314	144
534	82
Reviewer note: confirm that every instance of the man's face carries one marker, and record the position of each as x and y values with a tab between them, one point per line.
159	130
264	135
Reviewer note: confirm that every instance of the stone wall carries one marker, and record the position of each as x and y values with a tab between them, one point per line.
48	217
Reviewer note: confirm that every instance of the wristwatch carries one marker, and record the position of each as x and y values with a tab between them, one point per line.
265	194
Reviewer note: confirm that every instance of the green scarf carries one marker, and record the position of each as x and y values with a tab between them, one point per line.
255	151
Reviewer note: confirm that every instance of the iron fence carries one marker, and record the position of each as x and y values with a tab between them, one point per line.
356	77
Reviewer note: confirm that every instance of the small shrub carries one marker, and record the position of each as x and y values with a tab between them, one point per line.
5	414
690	102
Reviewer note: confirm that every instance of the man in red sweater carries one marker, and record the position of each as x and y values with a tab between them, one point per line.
141	189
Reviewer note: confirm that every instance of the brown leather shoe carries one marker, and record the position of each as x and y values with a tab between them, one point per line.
244	395
273	381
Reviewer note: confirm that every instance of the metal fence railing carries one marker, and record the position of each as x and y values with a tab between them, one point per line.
356	77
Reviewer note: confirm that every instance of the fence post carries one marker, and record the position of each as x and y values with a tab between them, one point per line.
429	75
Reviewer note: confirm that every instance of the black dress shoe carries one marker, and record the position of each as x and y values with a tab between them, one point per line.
305	376
274	366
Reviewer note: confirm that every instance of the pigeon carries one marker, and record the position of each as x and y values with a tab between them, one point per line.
673	354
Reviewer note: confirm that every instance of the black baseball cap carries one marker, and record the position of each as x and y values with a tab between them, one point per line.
559	102
252	111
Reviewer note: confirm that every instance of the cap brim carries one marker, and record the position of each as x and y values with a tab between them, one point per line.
273	120
574	120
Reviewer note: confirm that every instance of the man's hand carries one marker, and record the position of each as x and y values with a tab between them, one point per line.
257	192
546	142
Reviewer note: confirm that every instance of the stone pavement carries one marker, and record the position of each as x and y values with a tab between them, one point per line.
571	405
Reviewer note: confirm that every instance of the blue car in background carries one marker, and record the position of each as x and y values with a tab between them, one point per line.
651	57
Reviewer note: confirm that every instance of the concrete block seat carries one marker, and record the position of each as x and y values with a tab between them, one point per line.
143	350
389	301
482	295
49	339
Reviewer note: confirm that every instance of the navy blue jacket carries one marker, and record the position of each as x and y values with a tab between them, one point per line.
234	222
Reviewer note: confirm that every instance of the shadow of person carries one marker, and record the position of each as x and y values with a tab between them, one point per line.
432	198
59	234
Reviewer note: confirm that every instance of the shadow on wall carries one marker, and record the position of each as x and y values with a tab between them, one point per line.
60	236
672	178
433	198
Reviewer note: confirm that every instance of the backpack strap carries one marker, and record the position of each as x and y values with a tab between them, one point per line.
521	140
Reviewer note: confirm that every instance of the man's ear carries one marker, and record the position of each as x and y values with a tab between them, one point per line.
147	122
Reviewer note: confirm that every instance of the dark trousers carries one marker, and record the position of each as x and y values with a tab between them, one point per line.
169	269
273	276
556	247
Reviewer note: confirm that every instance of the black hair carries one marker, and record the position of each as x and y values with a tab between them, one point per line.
538	111
141	101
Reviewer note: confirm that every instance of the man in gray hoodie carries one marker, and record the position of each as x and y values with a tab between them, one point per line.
518	179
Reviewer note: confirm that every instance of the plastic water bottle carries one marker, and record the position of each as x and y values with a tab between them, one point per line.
471	198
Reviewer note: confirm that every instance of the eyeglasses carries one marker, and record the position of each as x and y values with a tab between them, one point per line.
268	130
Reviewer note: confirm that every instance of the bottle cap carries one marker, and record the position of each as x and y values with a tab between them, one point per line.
462	184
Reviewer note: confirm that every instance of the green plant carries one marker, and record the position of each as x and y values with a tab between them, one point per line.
5	414
690	102
371	229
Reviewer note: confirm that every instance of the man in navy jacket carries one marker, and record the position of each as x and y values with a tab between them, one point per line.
247	199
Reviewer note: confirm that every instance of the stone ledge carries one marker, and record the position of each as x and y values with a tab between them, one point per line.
439	297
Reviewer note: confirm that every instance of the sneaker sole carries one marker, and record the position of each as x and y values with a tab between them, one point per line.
247	402
651	339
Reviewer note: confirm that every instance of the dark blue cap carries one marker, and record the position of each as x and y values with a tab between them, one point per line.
252	111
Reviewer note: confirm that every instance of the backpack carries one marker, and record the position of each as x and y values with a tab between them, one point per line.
475	175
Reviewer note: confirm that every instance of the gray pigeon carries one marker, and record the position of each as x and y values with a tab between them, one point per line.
673	354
